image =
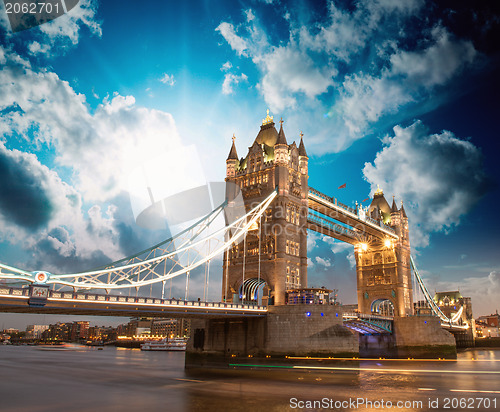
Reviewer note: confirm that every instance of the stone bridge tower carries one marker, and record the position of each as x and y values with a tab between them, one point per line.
273	257
383	265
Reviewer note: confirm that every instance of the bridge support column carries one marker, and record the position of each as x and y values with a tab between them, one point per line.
288	330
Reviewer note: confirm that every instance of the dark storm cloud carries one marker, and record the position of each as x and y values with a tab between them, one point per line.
440	177
57	250
22	198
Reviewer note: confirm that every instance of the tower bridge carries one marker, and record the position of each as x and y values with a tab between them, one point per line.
264	249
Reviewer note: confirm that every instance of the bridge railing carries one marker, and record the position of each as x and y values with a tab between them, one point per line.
338	229
367	316
333	201
340	205
118	299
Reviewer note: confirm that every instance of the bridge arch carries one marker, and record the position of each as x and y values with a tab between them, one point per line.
254	290
383	306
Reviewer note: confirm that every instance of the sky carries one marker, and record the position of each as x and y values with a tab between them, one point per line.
397	93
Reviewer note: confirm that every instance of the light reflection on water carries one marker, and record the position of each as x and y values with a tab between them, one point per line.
129	380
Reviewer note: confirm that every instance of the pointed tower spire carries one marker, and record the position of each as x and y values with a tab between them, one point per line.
394	207
281	134
232	154
302	148
403	210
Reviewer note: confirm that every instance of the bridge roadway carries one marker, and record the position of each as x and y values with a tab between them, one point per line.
325	210
15	300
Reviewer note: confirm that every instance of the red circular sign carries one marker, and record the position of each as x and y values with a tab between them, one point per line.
41	277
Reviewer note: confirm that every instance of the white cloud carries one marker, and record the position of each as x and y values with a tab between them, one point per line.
249	14
98	146
167	79
226	66
323	262
484	291
436	64
349	64
237	43
312	240
94	151
410	76
231	80
44	215
439	176
67	27
287	72
344	35
36	48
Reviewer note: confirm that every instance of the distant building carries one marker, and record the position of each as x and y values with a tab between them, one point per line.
80	331
35	331
66	332
172	328
102	333
459	308
60	332
488	326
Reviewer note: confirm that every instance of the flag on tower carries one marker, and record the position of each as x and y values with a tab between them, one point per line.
366	199
343	186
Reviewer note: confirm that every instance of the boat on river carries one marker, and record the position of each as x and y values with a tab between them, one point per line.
176	344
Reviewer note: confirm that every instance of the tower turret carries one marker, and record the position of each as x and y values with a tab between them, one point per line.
303	158
281	147
232	160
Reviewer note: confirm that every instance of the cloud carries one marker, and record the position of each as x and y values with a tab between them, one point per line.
43	215
99	147
55	37
287	72
351	68
167	79
36	48
67	27
231	80
484	291
408	78
323	261
28	189
439	176
237	43
343	36
226	66
75	223
436	64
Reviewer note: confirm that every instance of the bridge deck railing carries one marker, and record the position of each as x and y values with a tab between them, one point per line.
99	298
341	230
340	205
368	316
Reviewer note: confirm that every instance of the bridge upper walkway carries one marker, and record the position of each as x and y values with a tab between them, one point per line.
325	211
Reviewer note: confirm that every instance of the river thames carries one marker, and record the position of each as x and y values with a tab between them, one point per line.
116	379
